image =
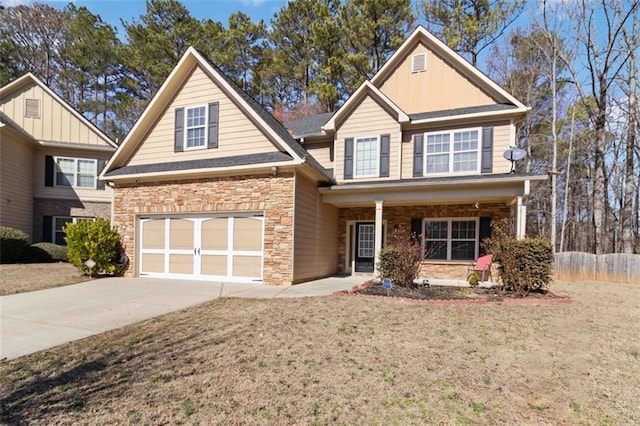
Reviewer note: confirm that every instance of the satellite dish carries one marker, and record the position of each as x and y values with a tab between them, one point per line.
514	154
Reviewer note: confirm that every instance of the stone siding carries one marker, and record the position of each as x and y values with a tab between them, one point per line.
395	216
271	195
74	208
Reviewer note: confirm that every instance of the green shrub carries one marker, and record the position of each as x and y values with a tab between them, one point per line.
12	244
92	240
524	265
474	279
44	252
400	260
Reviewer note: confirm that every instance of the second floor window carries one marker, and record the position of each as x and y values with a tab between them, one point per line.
76	172
196	127
452	151
366	157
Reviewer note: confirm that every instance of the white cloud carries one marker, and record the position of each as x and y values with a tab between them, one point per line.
12	3
253	3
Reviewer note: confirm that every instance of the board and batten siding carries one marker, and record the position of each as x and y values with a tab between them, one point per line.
440	87
501	141
56	122
65	192
315	246
237	134
368	118
15	182
322	152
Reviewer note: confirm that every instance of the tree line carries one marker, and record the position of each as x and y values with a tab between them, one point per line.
575	63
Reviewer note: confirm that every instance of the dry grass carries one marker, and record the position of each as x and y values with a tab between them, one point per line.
21	278
347	360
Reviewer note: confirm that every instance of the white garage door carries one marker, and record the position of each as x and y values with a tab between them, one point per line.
228	248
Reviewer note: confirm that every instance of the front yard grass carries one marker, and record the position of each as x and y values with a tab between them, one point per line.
20	278
346	360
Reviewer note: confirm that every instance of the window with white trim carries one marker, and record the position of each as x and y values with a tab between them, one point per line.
76	172
452	151
451	239
58	227
367	153
196	134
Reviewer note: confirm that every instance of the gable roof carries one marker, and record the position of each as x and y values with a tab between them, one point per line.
263	119
453	58
310	125
365	89
30	78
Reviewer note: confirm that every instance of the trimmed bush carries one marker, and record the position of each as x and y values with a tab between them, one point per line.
12	244
524	265
92	240
400	260
44	252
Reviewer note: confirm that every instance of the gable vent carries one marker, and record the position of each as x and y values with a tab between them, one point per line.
419	62
32	108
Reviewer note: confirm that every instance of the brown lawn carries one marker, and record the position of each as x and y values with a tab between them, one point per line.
20	278
347	360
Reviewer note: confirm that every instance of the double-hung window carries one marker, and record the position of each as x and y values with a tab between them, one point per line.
451	239
367	156
196	134
58	227
452	151
76	172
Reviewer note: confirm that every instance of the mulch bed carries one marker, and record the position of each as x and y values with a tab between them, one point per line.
451	295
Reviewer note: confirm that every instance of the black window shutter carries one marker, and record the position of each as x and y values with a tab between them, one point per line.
385	142
348	158
485	232
487	150
49	170
178	143
416	228
47	229
418	155
214	108
101	164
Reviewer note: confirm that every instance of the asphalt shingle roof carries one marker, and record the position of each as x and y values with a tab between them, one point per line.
310	125
460	111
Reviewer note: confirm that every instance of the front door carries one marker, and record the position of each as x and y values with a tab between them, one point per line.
365	246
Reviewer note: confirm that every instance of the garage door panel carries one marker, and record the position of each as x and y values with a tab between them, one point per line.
214	265
152	262
181	264
181	234
247	234
153	234
215	234
247	266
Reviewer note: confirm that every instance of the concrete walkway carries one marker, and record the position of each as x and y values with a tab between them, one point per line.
30	322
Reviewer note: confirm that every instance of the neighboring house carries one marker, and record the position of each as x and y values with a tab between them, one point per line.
208	185
50	157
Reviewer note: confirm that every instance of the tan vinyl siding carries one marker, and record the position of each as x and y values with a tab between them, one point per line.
315	247
237	134
16	196
368	119
501	141
438	88
321	151
56	122
64	192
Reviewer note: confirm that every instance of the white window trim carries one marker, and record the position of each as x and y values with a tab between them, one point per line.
74	219
74	184
186	127
451	134
355	157
449	240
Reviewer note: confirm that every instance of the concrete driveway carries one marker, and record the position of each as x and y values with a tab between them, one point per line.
30	322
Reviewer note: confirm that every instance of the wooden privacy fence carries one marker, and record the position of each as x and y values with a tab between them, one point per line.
616	267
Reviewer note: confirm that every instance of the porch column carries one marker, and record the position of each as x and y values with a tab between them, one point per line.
378	240
521	218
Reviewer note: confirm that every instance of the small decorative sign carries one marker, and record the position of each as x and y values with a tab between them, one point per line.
90	264
386	283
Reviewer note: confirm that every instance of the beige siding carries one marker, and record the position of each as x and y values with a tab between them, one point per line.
16	197
56	122
237	134
440	87
315	247
501	141
64	192
321	151
368	119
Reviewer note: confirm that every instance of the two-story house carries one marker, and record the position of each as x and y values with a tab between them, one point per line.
208	185
50	158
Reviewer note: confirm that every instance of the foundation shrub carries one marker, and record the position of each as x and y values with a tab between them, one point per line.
400	259
98	241
44	252
12	244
